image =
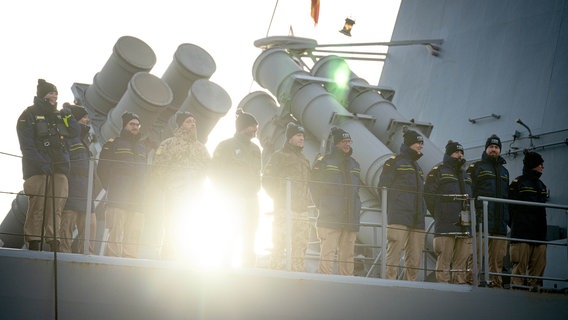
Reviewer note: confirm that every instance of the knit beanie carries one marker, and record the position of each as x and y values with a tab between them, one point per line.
494	139
452	147
181	116
78	112
339	134
127	116
532	159
412	137
244	120
293	129
44	87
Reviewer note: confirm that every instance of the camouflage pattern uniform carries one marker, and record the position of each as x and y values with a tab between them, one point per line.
285	164
180	166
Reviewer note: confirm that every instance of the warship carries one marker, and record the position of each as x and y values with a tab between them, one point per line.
459	70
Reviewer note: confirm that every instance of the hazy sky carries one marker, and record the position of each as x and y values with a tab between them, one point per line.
68	41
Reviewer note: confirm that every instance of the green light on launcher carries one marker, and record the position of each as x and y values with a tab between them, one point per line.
341	77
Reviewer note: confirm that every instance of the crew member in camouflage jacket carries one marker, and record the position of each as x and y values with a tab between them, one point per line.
180	165
289	164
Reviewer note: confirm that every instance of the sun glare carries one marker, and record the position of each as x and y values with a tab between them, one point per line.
205	234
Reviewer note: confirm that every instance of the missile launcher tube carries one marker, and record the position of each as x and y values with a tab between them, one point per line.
190	63
146	96
365	100
315	108
130	55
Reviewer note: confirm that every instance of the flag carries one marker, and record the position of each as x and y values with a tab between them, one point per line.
315	10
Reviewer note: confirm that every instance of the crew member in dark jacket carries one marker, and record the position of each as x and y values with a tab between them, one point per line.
528	222
42	131
235	171
75	211
122	172
335	183
289	164
452	241
491	179
405	207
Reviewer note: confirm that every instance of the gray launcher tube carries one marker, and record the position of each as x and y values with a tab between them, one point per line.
145	96
364	100
208	102
271	128
272	125
130	55
190	63
315	108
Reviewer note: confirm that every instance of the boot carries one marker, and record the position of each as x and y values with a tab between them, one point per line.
34	245
54	245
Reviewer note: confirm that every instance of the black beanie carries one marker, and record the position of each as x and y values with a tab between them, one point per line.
293	129
494	139
78	112
532	159
181	116
412	137
44	87
339	134
452	147
127	116
244	120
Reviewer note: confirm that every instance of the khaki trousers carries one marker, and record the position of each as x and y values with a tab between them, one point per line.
40	213
453	254
528	259
497	250
125	229
70	219
410	240
338	241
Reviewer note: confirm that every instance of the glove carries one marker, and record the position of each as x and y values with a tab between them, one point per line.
65	115
46	169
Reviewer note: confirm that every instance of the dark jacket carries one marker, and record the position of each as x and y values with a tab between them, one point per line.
405	182
335	182
235	167
491	179
288	163
78	178
447	179
528	222
42	131
122	171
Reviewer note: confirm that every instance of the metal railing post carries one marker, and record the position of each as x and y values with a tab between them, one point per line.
384	232
485	237
475	270
88	211
288	225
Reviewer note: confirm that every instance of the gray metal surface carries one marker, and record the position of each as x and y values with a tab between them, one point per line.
93	287
507	58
